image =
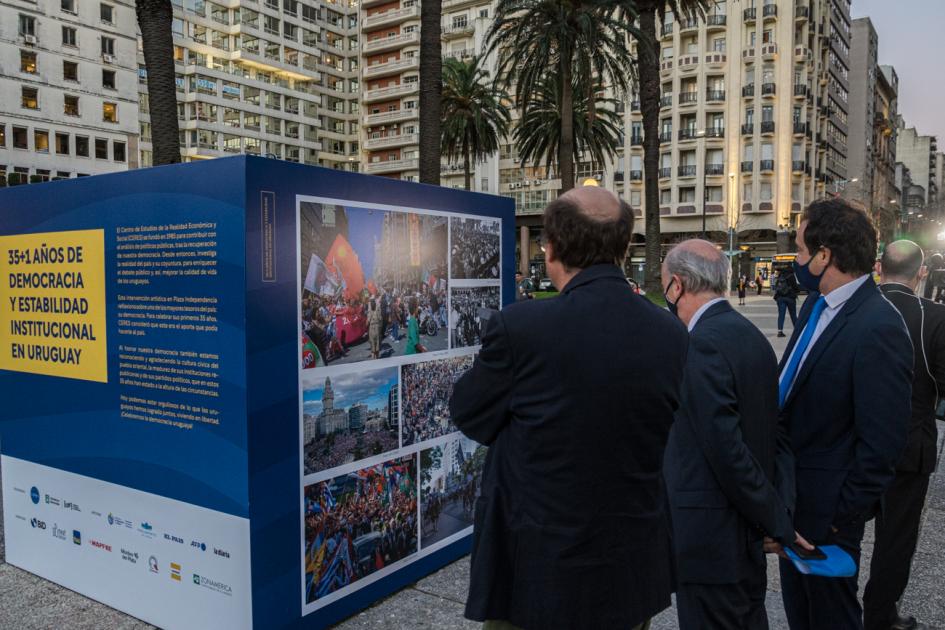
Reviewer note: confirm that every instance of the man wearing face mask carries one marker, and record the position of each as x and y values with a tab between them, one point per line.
845	394
728	468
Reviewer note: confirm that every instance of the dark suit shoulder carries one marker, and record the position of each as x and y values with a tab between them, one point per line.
733	331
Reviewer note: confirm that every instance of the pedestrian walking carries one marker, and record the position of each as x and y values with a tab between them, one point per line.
413	327
785	295
844	391
375	329
897	526
728	468
742	289
571	529
759	283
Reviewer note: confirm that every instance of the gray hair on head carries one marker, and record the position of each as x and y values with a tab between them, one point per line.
700	266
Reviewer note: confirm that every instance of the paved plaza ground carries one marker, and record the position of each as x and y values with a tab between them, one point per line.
436	602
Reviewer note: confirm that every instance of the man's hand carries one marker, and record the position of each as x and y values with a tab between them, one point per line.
773	546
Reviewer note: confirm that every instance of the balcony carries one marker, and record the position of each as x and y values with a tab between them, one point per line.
798	166
748	55
689	98
715	132
634	106
636	176
715	21
666	136
666	101
391	92
751	14
800	128
748	90
391	17
767	166
688	134
770	10
800	90
636	141
391	42
801	13
769	89
688	25
394	140
716	59
769	52
748	129
666	172
748	167
803	53
391	67
688	170
715	169
666	66
666	30
392	166
689	62
715	96
767	127
385	118
461	29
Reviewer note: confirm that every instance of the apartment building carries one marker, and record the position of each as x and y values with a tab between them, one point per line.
919	154
68	94
277	78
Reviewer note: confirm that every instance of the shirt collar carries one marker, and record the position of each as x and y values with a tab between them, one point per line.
898	286
839	296
703	309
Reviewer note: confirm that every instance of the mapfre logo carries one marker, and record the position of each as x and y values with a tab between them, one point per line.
100	545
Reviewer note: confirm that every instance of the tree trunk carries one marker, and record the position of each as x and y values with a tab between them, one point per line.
154	20
566	143
431	90
649	60
466	161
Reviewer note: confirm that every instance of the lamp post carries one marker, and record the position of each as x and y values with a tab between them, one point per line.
705	167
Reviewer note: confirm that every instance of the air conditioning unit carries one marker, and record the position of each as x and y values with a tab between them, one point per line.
31	39
109	58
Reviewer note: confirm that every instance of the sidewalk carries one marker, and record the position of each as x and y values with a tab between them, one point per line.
436	602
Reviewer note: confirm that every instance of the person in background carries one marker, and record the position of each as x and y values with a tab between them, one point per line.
897	527
728	468
844	392
742	289
785	295
413	326
375	329
759	283
571	525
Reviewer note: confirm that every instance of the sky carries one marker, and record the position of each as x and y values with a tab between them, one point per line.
370	387
911	39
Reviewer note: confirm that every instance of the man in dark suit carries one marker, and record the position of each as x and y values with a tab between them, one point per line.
845	388
574	396
728	468
897	528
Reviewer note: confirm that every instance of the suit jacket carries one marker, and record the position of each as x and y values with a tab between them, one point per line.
847	413
575	397
926	325
728	468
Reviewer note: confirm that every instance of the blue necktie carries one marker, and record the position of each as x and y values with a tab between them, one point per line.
787	378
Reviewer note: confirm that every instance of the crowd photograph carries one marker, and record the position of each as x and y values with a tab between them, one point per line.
466	317
359	523
450	477
475	253
373	283
425	393
348	417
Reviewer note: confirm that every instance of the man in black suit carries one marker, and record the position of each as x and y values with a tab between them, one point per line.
728	468
574	396
844	389
897	528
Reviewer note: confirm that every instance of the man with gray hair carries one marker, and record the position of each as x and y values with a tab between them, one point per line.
728	468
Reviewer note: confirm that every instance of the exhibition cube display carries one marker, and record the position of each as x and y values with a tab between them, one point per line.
226	385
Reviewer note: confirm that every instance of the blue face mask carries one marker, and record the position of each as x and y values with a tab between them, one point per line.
805	278
671	305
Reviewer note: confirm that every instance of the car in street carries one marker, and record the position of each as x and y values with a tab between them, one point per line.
545	284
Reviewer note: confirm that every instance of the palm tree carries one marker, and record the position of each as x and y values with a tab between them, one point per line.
648	54
538	133
474	116
154	21
431	89
538	37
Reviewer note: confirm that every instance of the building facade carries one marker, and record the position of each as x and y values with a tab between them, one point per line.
918	153
68	95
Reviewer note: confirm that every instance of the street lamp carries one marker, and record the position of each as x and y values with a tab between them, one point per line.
705	167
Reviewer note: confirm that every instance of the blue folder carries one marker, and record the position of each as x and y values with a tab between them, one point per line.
838	563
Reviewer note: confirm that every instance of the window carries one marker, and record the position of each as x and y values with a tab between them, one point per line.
62	143
20	138
765	191
108	79
82	146
666	197
635	198
767	36
27	25
3	135
746	192
718	44
27	61
687	195
107	12
68	6
749	153
713	194
767	151
69	36
70	105
667	52
110	112
41	141
767	113
29	98
70	71
101	149
108	46
118	151
797	193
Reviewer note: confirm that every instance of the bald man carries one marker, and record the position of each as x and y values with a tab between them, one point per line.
574	396
728	468
897	526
